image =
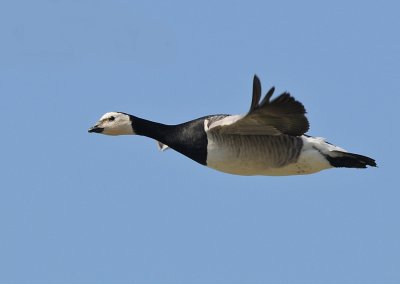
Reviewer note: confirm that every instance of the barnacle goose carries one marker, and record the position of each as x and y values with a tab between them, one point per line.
268	140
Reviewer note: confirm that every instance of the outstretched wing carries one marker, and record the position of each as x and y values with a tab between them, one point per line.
282	115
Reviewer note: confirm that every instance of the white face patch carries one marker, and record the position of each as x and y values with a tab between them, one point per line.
115	123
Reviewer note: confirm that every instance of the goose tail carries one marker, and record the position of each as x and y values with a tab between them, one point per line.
340	159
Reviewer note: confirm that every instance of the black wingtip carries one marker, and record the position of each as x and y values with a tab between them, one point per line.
268	96
255	78
256	93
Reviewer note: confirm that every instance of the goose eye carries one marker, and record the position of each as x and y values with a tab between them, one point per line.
111	118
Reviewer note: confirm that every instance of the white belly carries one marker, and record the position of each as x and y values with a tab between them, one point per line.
243	159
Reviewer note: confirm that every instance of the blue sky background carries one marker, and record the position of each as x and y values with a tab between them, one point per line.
81	208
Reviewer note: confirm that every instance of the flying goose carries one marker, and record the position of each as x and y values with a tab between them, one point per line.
268	140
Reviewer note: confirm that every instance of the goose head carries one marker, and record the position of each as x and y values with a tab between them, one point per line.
113	123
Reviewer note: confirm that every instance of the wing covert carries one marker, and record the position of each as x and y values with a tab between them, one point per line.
283	115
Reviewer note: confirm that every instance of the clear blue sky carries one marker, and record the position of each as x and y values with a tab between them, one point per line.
81	208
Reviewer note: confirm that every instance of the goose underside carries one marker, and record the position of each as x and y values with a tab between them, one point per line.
261	155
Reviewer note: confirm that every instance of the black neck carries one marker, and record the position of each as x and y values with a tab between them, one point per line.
188	138
155	130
